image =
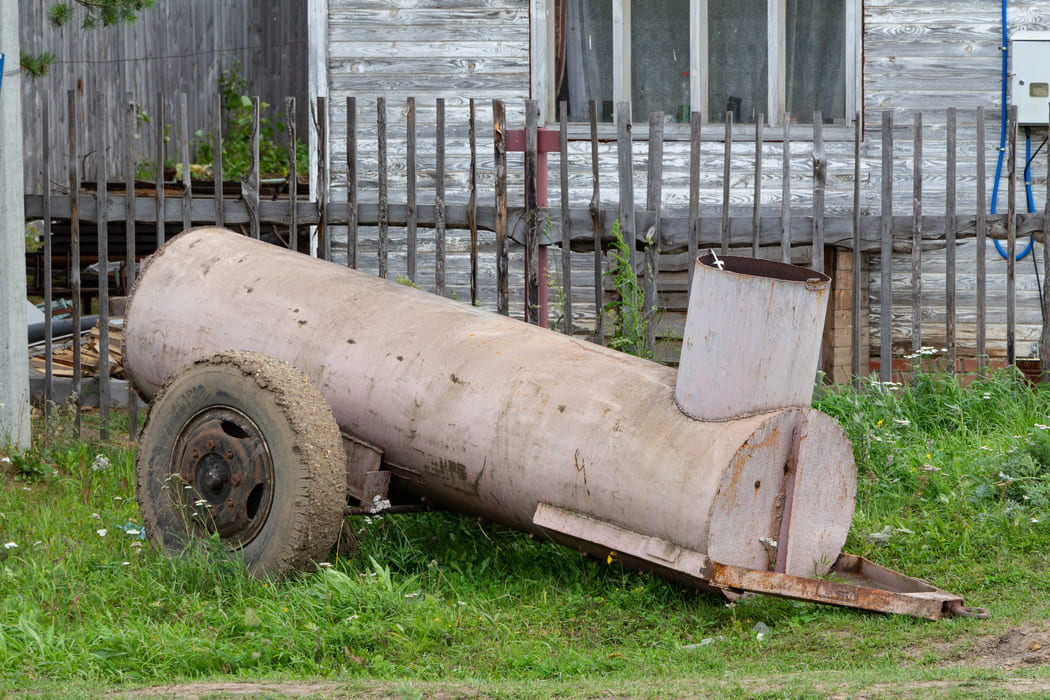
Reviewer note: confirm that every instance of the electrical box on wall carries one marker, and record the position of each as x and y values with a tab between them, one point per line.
1030	86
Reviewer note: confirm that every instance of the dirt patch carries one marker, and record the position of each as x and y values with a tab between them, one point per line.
1017	647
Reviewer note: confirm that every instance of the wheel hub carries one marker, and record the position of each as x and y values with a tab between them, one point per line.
225	474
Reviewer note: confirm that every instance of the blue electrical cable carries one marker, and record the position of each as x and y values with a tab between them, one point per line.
1002	151
2	70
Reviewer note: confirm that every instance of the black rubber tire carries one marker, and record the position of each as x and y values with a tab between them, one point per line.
293	453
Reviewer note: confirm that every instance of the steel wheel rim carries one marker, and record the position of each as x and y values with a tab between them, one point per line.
222	474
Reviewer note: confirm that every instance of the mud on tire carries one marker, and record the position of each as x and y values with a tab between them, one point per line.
244	446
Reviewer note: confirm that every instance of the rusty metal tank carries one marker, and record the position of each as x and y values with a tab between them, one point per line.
488	415
479	413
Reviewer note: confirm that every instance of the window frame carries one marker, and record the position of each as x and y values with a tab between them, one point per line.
542	18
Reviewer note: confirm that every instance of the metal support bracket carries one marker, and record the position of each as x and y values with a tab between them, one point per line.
852	582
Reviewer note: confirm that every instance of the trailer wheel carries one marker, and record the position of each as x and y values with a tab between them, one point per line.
243	446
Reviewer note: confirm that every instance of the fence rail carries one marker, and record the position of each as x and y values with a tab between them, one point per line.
655	231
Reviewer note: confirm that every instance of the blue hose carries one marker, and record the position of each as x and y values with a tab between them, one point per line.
1002	151
2	70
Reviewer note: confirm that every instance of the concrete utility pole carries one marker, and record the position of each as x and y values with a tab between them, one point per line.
14	355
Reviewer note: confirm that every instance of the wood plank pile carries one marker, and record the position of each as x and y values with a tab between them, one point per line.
90	350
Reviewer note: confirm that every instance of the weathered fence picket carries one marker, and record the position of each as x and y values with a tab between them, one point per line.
384	211
886	253
472	203
785	195
949	238
855	316
820	173
597	224
653	199
499	128
566	229
102	195
439	201
982	282
1011	238
351	189
158	159
727	158
916	235
756	206
216	161
74	231
130	252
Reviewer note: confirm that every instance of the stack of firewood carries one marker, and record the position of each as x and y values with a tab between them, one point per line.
90	351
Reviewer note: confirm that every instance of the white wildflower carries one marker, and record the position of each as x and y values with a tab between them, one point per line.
1042	427
325	565
10	545
101	463
379	504
1035	520
902	421
101	532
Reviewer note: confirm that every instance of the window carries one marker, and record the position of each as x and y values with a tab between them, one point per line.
748	57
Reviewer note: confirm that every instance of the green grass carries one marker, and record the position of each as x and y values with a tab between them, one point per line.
443	604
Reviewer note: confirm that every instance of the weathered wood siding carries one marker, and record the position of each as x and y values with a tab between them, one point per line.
918	55
929	56
175	46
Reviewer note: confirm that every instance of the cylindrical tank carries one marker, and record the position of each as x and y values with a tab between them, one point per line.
494	417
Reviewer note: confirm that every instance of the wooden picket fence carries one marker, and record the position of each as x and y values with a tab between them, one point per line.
652	232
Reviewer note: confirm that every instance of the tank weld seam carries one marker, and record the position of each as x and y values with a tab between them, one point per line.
739	416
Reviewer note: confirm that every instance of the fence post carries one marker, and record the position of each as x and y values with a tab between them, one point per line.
499	131
566	223
949	242
532	233
785	195
439	201
1011	239
597	225
982	229
102	208
916	236
886	252
727	158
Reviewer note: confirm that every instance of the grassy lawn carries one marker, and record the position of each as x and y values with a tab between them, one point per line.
953	483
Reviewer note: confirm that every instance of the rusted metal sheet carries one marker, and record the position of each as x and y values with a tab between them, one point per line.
759	323
852	582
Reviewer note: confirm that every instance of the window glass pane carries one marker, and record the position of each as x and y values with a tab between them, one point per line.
583	56
816	59
736	35
660	59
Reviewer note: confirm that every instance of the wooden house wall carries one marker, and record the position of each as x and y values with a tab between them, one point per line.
918	56
175	46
